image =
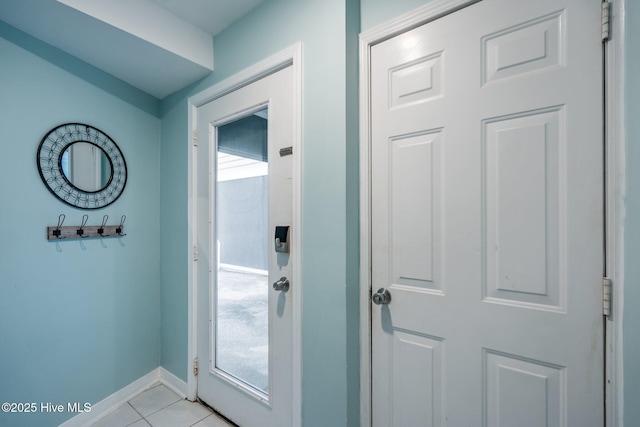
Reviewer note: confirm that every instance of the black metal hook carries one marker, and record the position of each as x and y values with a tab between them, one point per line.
119	229
57	232
80	231
104	222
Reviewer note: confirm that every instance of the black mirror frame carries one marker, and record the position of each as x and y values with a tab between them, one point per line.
49	163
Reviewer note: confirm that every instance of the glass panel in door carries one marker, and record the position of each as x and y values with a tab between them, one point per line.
241	229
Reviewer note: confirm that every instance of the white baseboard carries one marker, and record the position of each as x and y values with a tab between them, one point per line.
172	382
106	405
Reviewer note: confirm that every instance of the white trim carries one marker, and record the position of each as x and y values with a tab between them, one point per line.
615	196
114	401
412	19
365	233
291	56
615	193
172	382
192	270
257	71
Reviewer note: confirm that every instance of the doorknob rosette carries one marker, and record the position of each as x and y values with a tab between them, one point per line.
382	297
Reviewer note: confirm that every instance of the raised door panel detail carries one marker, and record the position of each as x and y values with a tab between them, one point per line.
485	211
416	81
415	184
417	375
523	392
532	46
523	191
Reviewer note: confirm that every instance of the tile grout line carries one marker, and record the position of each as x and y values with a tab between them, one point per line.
198	402
137	412
164	407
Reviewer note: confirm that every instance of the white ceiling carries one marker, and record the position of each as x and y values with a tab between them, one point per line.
158	46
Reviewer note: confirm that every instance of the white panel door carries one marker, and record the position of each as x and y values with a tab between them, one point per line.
487	218
244	190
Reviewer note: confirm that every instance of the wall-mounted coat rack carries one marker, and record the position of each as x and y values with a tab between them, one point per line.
84	231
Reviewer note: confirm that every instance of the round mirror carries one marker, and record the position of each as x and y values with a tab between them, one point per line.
82	166
86	166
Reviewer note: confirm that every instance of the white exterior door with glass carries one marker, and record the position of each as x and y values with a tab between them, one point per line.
244	268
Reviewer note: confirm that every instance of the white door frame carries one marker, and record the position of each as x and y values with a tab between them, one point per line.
614	199
291	56
615	188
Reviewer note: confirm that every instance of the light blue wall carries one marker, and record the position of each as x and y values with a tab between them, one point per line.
631	321
352	303
78	324
328	347
173	240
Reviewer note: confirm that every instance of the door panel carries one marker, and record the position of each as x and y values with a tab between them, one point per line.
524	163
487	214
244	191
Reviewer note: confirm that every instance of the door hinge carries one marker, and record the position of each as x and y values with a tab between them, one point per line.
195	252
195	138
606	20
195	366
606	296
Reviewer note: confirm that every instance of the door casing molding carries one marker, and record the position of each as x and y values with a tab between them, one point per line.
292	57
614	198
615	193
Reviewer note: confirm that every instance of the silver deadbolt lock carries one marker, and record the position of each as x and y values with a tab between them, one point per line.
281	285
383	296
282	239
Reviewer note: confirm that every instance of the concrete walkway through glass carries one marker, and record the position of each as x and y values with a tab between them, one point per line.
243	327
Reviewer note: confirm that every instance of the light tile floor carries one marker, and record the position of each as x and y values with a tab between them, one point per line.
160	407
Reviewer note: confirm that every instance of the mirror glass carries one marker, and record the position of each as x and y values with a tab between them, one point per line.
81	166
86	166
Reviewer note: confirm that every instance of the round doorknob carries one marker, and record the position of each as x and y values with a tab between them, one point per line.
383	296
